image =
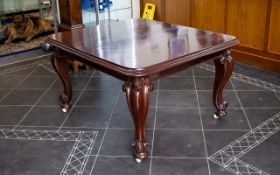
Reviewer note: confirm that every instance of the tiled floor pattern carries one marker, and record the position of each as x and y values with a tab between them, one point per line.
228	157
183	137
78	157
246	79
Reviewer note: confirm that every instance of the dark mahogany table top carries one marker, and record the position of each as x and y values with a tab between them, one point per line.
140	46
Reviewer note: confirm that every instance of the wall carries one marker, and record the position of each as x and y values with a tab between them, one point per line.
256	23
120	10
9	5
136	8
17	5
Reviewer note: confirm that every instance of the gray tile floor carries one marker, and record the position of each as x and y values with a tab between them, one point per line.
183	136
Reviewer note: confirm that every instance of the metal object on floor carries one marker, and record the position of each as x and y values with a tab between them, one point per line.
46	47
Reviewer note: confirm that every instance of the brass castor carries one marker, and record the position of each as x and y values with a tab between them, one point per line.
64	110
138	160
215	116
219	114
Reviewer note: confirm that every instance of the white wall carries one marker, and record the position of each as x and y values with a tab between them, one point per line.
9	5
136	8
119	11
17	5
29	4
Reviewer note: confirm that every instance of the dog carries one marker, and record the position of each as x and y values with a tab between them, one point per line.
27	27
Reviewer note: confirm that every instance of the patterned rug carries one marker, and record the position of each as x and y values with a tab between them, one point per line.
22	46
18	45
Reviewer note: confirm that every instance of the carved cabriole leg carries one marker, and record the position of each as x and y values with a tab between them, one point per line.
60	64
138	93
224	67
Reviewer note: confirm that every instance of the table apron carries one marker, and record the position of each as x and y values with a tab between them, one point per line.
156	75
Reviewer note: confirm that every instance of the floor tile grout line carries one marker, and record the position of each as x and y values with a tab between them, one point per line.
33	76
170	157
69	156
48	54
257	142
201	122
278	96
209	90
244	112
27	126
151	107
154	157
256	82
18	68
154	129
227	167
88	152
172	76
59	140
46	68
77	89
3	98
41	135
244	164
105	132
163	107
43	89
34	105
236	76
20	76
148	129
199	90
252	167
40	56
29	89
62	136
277	128
76	101
204	130
42	76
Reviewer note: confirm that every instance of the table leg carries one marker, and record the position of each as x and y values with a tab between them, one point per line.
60	64
224	67
137	94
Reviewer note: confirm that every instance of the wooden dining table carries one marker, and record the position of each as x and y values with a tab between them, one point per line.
139	52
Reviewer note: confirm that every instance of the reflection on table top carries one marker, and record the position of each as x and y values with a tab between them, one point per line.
138	44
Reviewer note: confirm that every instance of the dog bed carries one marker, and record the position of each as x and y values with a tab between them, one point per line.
19	45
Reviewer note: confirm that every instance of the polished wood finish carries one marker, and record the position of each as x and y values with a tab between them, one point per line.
60	64
274	37
140	52
255	22
165	44
137	94
209	15
71	18
173	10
257	58
224	67
70	14
246	21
